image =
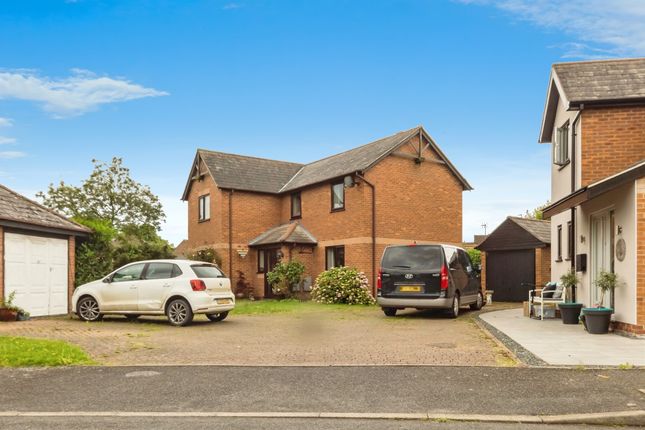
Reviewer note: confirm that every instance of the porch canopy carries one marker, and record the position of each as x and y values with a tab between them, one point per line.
595	189
290	233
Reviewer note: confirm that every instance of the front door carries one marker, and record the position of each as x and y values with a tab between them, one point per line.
271	259
601	252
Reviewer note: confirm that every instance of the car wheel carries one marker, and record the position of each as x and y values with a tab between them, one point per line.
454	309
132	317
87	309
389	312
179	313
217	317
479	303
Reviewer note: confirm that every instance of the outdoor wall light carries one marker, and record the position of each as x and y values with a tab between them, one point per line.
242	252
619	229
582	238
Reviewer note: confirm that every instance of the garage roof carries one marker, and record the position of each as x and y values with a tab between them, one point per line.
518	233
20	212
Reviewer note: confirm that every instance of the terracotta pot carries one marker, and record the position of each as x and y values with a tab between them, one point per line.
8	315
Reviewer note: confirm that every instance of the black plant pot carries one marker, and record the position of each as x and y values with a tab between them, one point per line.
596	320
570	312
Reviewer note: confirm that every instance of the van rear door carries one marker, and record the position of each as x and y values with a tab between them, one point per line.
411	271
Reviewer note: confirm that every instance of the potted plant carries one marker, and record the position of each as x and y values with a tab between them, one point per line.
570	311
597	319
11	312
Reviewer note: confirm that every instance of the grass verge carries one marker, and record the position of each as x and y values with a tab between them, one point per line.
259	307
23	352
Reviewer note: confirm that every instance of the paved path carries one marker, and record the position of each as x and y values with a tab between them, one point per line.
561	344
357	336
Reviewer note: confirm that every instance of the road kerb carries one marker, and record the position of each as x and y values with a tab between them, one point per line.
632	417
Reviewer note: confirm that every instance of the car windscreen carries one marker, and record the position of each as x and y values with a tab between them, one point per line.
206	271
418	257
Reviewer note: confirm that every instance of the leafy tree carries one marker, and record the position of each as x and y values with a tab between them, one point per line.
208	255
109	194
475	256
536	213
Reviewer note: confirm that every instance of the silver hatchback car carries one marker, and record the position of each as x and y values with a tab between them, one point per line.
178	289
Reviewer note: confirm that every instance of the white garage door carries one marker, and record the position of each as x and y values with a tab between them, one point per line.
36	269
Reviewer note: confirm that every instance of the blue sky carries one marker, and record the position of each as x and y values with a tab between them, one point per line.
151	81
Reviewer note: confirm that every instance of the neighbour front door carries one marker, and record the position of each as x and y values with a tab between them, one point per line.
271	259
601	252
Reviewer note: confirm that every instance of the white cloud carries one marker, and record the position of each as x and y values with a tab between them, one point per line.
81	92
603	28
11	154
6	140
5	122
232	5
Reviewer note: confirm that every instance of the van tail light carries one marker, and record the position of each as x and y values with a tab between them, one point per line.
197	285
379	280
444	277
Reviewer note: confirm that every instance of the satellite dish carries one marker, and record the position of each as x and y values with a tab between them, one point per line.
348	181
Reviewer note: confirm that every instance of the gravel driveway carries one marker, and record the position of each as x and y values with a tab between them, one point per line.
356	336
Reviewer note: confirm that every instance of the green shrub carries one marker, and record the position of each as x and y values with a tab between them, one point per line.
284	277
475	256
207	255
342	285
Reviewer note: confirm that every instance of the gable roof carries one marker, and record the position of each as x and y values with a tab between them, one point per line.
518	233
593	83
239	172
19	211
285	233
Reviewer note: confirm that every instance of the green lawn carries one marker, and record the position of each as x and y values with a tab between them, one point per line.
22	352
258	307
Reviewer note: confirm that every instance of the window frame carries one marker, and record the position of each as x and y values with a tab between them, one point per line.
141	274
559	243
297	195
340	208
561	145
262	256
570	240
335	252
204	208
175	271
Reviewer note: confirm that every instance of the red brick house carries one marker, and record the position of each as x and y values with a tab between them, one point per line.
594	118
341	210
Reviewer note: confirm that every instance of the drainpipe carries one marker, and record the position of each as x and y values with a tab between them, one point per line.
574	164
230	234
369	184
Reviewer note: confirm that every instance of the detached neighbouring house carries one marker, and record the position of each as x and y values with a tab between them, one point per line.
516	257
341	210
37	249
595	119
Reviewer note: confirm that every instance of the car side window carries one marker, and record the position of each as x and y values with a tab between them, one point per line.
465	261
129	273
452	259
162	271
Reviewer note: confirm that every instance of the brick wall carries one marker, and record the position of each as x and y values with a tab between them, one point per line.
640	259
483	273
612	140
71	271
1	263
542	266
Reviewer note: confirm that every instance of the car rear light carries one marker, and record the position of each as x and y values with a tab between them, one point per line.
444	277
197	285
379	280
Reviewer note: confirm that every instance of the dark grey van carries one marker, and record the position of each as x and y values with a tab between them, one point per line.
427	277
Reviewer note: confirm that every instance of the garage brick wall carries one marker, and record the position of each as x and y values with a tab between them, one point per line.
1	262
612	140
420	202
542	266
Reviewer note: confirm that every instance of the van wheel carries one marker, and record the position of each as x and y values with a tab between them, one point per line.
479	303
454	309
179	313
389	312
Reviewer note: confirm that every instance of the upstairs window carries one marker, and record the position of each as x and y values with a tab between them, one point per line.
337	196
334	256
296	206
204	208
561	146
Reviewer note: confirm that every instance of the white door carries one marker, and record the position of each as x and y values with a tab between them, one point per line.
36	269
600	252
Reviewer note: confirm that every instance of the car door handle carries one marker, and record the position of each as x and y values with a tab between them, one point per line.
133	288
166	285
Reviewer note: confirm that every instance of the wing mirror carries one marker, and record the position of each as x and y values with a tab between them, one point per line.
107	280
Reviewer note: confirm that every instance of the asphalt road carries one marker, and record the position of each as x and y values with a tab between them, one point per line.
271	424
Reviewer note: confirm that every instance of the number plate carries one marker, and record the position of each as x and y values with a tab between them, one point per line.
223	301
410	289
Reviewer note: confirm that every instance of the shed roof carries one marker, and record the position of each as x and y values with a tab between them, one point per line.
19	211
518	233
285	233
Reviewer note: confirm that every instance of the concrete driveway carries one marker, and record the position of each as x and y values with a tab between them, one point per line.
356	336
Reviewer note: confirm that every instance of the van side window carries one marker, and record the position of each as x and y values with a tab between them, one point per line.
465	261
452	259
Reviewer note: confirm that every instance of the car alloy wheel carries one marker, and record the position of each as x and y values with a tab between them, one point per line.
88	309
179	312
